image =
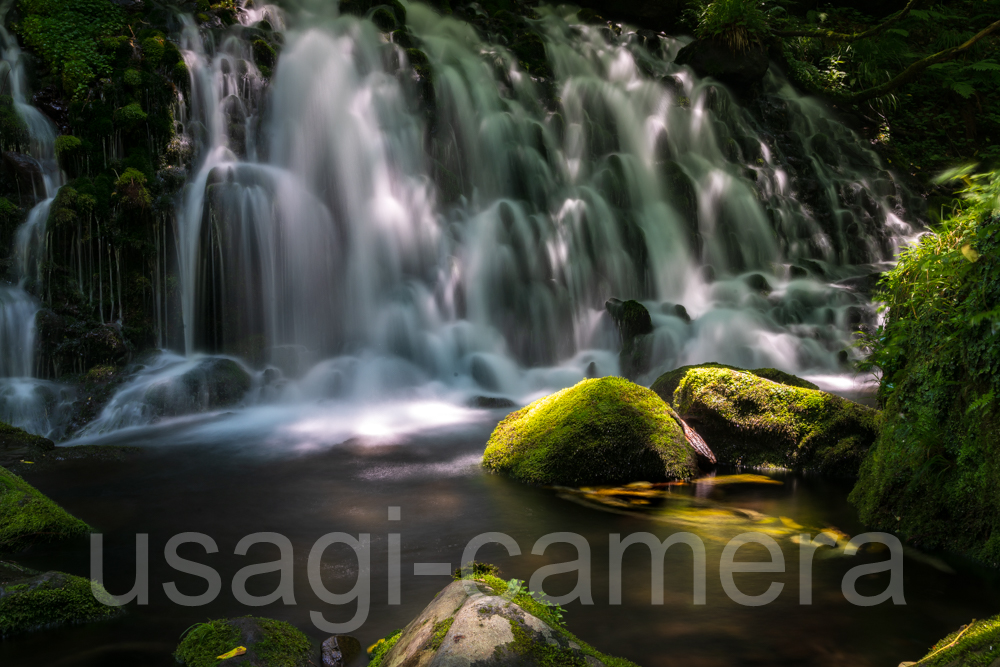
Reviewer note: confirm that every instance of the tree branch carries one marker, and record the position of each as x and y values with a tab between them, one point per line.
849	37
914	70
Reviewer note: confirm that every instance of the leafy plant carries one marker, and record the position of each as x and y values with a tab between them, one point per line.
740	24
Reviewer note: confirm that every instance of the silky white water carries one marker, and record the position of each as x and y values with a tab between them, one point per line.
368	241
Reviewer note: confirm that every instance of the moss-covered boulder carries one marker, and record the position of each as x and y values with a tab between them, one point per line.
52	599
268	643
27	516
213	383
752	421
666	384
974	645
480	621
600	431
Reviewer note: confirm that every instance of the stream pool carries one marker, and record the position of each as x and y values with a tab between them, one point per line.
227	482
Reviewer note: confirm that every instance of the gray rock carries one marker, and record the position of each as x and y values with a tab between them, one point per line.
740	71
340	650
465	625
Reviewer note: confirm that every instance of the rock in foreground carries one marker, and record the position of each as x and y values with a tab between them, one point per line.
27	516
748	420
474	622
268	643
50	600
600	431
971	646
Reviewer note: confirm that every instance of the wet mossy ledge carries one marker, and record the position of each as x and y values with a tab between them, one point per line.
49	600
753	421
28	516
974	645
482	619
268	643
600	431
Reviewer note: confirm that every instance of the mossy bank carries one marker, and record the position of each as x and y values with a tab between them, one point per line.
52	599
600	431
27	516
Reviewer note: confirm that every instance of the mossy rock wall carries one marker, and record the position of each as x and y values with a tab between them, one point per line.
751	421
269	643
600	431
52	599
27	516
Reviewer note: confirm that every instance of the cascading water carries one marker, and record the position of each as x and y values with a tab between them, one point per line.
35	405
337	230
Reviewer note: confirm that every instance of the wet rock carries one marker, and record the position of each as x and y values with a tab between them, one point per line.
741	71
50	600
212	384
634	325
663	15
340	650
752	421
484	374
491	402
476	621
50	102
28	516
601	431
758	283
18	445
267	642
25	172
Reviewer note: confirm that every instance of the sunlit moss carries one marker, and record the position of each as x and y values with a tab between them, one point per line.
268	642
977	645
604	430
751	421
27	515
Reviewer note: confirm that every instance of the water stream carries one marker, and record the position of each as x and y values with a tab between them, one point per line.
38	406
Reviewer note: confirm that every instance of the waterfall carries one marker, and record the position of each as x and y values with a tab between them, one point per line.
330	219
361	229
35	405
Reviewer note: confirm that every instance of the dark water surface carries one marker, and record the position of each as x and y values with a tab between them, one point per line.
246	484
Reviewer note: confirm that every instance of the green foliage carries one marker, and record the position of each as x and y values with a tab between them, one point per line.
606	430
738	23
13	130
130	189
382	647
153	49
52	599
130	116
933	473
67	35
27	515
269	642
8	210
67	144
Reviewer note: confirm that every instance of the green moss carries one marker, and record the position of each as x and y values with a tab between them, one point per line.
130	116
384	19
264	54
27	515
50	600
440	630
666	384
605	430
13	130
378	652
977	645
748	420
67	143
268	642
130	189
153	49
934	474
68	35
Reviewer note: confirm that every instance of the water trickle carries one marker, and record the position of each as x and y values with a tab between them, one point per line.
36	405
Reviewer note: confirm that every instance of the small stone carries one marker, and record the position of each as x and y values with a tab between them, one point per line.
340	650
